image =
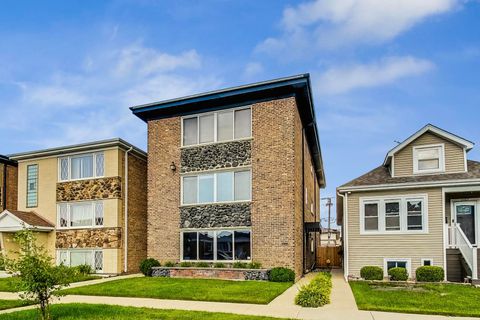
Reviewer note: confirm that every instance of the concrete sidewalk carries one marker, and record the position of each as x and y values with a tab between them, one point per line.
343	305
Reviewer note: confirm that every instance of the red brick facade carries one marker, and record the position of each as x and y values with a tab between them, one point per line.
8	199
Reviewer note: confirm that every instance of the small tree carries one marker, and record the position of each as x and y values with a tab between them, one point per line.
40	279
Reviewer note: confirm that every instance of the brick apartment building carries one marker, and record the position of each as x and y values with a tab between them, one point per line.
8	183
234	175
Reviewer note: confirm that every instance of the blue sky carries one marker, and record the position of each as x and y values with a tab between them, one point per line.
380	70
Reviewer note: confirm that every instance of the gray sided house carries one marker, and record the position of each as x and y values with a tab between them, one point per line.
420	207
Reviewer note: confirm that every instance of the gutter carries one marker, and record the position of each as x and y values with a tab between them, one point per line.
125	203
412	185
345	234
303	201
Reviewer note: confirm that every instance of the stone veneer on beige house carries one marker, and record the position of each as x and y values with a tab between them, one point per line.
234	175
419	208
94	196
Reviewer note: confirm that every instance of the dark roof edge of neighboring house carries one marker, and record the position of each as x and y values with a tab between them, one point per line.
7	160
84	147
298	86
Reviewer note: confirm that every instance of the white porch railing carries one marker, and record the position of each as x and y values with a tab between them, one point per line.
457	239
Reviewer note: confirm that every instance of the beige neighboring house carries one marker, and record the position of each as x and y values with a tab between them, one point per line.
420	207
330	239
86	203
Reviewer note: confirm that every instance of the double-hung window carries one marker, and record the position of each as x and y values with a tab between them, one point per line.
83	166
216	245
428	159
218	126
223	186
393	215
80	214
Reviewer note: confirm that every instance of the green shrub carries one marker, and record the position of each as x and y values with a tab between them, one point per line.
398	274
430	274
2	263
169	264
316	293
147	265
186	264
84	269
240	265
254	265
203	265
371	273
281	275
219	265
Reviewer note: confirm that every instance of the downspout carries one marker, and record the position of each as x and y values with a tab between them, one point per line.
345	234
303	200
125	214
4	190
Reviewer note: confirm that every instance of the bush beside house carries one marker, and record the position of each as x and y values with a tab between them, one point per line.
430	274
147	265
281	275
371	273
398	274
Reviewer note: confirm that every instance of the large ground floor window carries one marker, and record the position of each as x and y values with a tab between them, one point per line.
216	245
76	257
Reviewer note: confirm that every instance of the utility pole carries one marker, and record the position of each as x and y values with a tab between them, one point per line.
329	204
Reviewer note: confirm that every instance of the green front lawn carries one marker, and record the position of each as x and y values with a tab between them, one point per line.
442	299
10	284
105	312
8	304
259	292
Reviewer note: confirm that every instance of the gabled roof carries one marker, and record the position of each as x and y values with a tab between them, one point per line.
13	220
84	147
297	86
467	144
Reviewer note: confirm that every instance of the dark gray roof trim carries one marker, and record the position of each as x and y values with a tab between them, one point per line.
84	147
7	160
297	86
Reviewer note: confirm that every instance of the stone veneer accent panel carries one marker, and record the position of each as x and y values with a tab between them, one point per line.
215	215
216	156
107	238
102	188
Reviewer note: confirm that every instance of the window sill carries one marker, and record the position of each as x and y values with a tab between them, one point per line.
213	203
82	228
383	233
214	143
81	179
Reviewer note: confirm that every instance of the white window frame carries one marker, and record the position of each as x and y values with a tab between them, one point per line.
69	215
215	125
381	200
408	262
92	251
215	231
441	159
426	259
77	155
214	173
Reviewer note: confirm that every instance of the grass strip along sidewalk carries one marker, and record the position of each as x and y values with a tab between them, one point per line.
257	292
107	312
439	299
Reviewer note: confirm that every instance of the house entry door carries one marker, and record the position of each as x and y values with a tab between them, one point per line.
465	216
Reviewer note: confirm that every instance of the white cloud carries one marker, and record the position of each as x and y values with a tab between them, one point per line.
105	84
252	69
338	80
330	24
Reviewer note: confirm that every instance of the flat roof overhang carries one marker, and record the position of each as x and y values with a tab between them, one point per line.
295	86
